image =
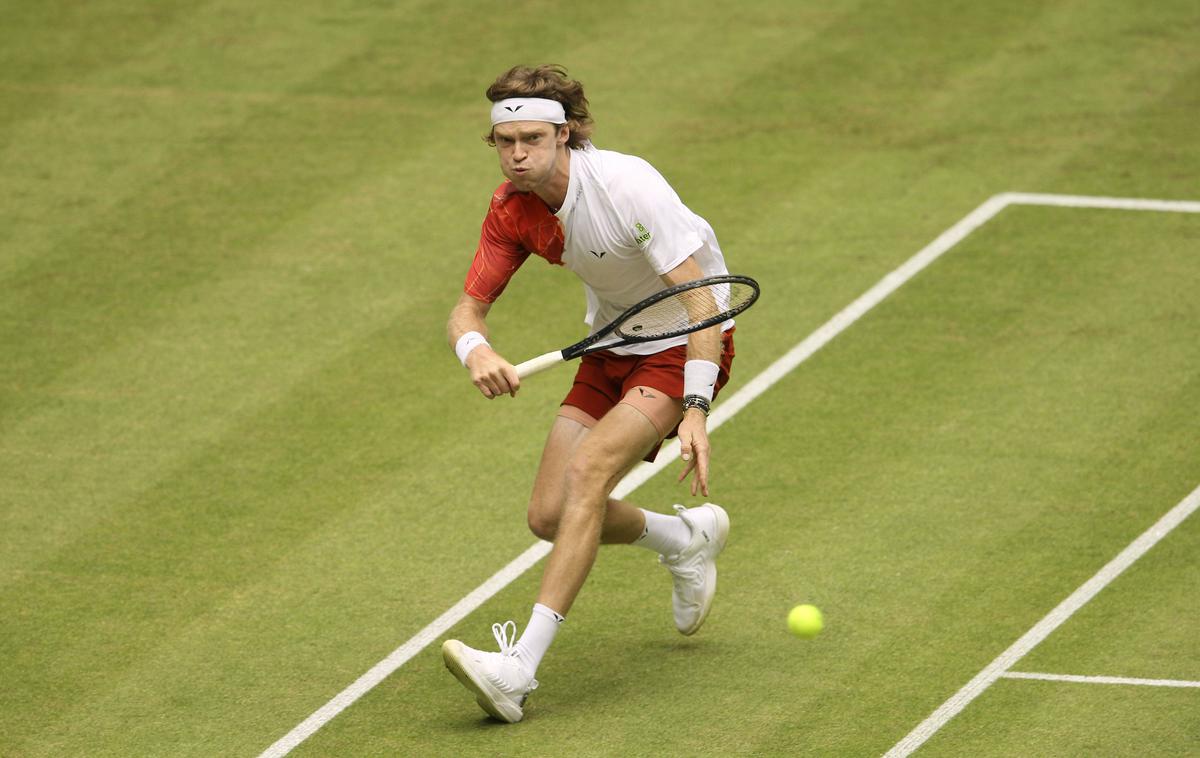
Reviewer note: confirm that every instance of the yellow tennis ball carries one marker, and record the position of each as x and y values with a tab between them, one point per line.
806	621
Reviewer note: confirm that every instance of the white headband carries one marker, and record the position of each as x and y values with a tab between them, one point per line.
528	109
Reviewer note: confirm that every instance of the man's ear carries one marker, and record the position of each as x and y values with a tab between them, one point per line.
564	134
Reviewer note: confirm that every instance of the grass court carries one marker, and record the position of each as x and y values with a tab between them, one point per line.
239	466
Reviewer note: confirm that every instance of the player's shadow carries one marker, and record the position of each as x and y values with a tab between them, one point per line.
602	679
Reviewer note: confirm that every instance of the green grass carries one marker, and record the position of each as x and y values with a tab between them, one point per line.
239	466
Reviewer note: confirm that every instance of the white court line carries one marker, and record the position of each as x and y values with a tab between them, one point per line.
1043	628
722	413
1098	679
1112	203
997	668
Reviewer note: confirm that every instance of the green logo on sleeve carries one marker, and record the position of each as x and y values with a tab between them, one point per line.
642	236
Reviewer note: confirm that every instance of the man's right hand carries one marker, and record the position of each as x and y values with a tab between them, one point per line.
493	375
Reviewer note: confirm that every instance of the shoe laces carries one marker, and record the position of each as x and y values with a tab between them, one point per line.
506	636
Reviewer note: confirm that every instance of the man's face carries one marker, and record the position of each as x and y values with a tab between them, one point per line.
528	151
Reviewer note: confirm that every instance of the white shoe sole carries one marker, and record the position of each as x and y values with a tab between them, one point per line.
721	526
493	701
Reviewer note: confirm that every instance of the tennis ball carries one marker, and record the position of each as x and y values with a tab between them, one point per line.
806	621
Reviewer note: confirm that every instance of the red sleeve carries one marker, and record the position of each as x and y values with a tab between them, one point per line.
497	258
517	225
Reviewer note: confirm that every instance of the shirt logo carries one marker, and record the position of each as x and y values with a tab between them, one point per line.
600	254
642	235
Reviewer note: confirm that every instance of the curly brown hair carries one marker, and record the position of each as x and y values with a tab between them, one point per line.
548	81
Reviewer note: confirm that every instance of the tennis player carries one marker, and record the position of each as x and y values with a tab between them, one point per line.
614	221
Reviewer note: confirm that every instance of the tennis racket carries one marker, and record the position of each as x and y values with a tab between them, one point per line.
678	310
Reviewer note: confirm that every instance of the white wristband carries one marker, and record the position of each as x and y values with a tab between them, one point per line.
699	378
467	343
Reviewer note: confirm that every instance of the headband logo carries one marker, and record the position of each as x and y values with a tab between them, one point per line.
528	109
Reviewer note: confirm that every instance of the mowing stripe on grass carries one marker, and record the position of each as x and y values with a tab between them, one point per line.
722	413
1045	627
1098	679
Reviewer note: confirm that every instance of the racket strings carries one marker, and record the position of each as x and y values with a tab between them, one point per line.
686	311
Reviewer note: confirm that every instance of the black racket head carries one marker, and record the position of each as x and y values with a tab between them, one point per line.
687	308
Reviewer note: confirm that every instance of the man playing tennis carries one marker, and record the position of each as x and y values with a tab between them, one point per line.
614	221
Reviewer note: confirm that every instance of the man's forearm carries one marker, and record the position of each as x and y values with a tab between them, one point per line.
468	315
705	345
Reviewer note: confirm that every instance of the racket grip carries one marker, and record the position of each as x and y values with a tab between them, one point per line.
540	363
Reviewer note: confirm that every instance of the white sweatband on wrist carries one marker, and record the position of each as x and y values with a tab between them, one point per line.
467	343
699	378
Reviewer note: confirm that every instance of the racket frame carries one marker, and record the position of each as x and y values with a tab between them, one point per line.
594	342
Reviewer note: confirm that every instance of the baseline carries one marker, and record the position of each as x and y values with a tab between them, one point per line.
1098	679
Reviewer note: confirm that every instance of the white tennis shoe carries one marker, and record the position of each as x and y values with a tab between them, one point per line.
695	567
499	680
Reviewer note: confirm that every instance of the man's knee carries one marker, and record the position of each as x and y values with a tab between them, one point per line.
584	471
593	471
545	509
544	526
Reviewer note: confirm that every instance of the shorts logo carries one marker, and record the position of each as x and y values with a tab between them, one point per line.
647	394
600	254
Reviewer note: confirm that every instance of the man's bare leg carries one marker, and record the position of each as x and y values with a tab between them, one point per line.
570	505
623	522
600	458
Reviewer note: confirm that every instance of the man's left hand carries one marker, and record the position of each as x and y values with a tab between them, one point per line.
693	448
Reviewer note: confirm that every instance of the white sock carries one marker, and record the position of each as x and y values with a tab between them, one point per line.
667	535
539	633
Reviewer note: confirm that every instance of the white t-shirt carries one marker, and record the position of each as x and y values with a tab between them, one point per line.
623	226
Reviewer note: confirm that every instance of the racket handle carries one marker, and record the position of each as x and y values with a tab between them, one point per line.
540	363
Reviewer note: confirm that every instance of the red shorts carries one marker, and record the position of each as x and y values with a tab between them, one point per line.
604	379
